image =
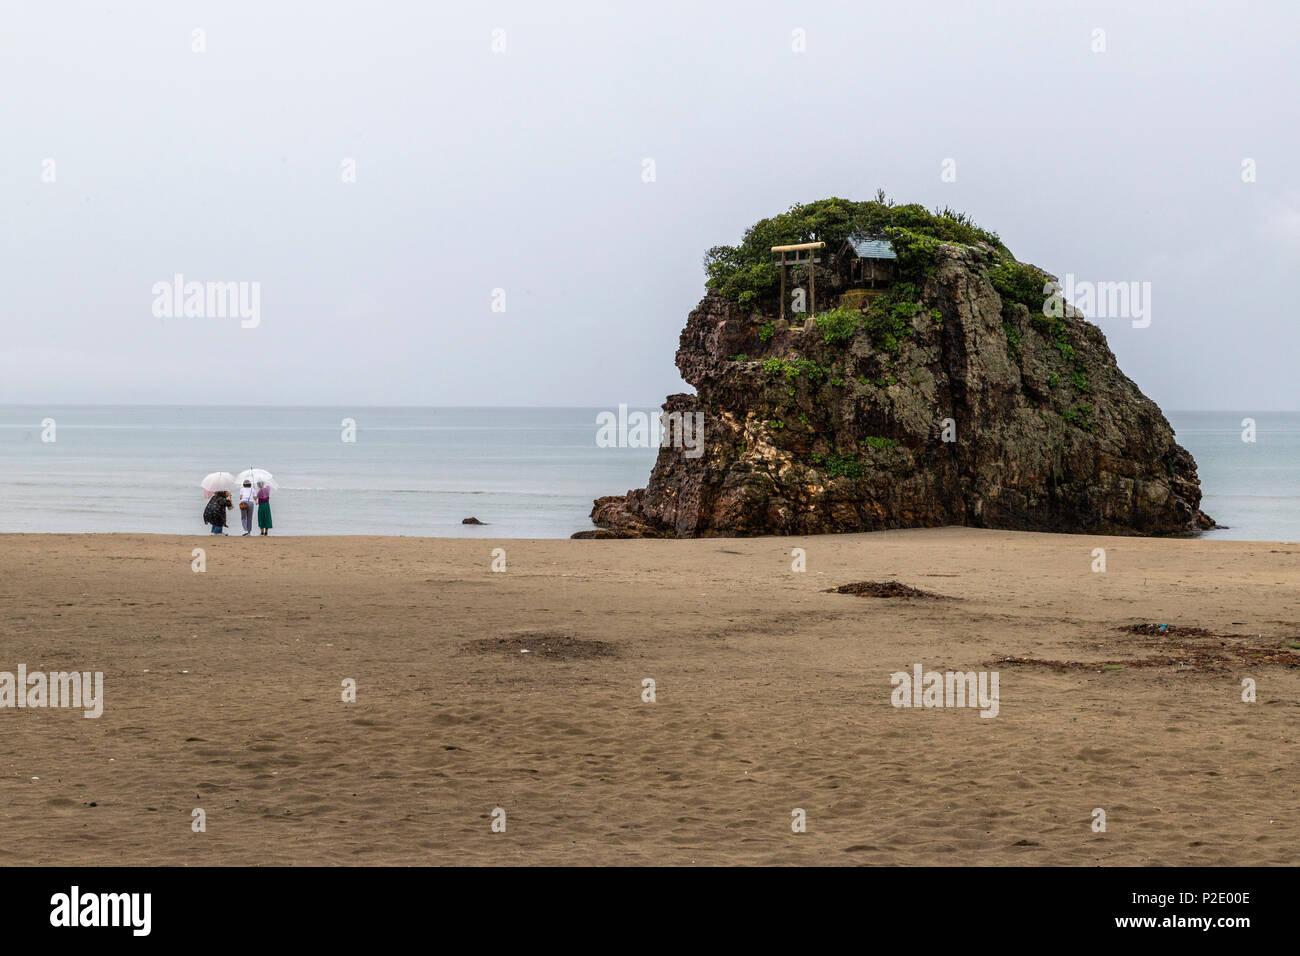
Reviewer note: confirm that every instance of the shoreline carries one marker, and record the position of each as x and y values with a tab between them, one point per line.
187	536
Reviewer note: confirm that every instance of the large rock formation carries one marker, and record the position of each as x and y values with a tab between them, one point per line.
943	403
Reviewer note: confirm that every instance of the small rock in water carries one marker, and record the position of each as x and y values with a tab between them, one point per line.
472	521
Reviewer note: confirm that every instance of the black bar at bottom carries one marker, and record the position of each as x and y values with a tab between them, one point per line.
302	905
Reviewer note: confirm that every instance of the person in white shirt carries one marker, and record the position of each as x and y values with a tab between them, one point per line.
247	507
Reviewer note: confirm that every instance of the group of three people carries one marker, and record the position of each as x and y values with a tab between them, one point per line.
252	501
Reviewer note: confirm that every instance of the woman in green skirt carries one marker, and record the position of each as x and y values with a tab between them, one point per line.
263	507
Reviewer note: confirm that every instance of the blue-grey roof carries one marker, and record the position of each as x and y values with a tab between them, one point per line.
872	248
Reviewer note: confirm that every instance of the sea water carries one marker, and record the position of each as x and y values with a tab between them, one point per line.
1252	487
526	472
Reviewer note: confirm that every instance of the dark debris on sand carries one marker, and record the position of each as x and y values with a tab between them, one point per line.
1169	630
1187	648
555	646
882	589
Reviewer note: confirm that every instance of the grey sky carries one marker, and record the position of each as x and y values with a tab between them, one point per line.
522	170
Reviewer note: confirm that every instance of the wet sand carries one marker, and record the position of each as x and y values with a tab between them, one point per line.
223	691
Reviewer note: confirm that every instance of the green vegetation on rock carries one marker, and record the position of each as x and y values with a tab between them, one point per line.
889	319
1013	339
1017	282
746	273
838	466
1080	416
878	443
839	324
792	370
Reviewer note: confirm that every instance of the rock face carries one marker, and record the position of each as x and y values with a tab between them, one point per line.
972	411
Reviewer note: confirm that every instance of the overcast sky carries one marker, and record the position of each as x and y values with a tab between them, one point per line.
523	170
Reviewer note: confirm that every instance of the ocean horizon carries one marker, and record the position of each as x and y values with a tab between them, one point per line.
526	472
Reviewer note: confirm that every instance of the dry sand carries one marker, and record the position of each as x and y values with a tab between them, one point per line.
223	691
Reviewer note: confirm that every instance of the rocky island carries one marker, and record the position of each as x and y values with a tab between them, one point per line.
908	372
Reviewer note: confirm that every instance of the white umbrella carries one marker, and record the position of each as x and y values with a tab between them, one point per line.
217	481
255	475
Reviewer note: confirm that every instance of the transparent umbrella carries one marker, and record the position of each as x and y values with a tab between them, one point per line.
218	481
255	475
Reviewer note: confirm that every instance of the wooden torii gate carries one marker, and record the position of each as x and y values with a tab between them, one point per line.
806	260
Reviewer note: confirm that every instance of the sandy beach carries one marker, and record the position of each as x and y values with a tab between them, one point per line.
223	691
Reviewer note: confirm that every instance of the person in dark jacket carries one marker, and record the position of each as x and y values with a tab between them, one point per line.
215	512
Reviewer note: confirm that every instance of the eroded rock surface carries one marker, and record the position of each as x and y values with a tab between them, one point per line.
805	436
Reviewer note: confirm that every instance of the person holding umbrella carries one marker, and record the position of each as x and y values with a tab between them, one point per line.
247	506
215	511
264	507
216	488
264	481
